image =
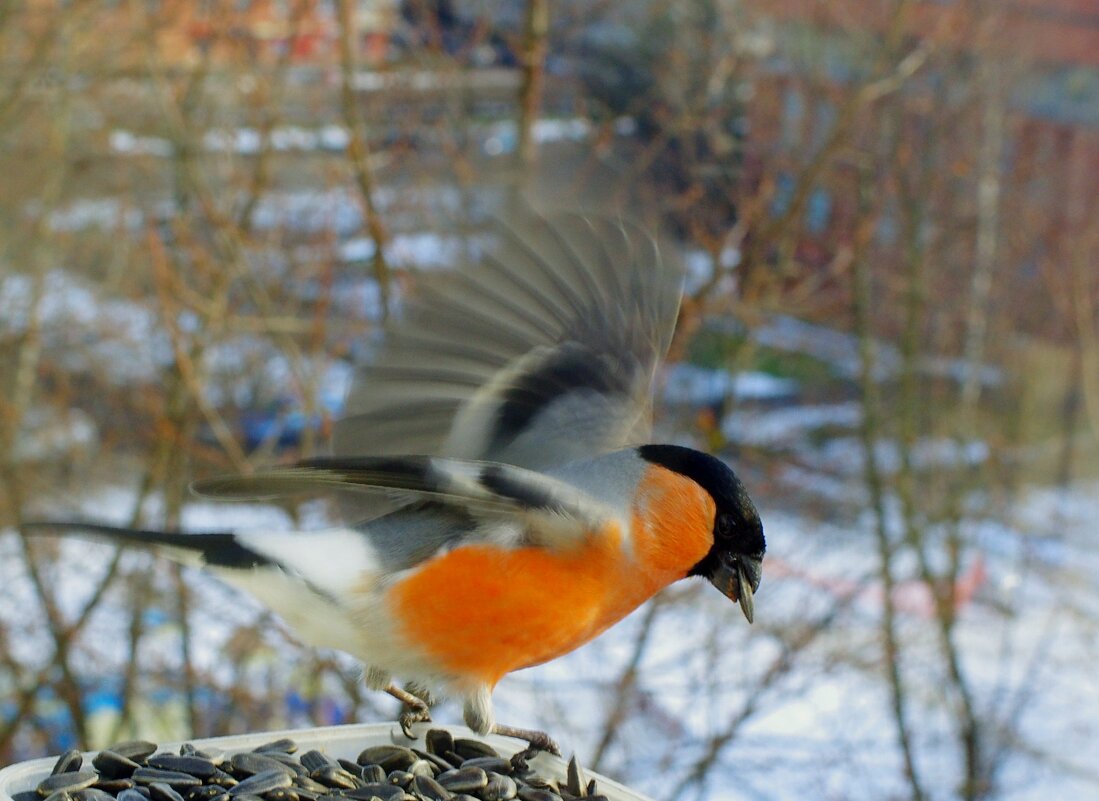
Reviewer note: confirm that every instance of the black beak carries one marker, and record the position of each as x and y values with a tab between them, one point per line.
738	577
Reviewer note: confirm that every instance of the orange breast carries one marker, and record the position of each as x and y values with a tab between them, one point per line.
482	611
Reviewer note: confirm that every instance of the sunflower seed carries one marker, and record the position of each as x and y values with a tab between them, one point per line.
60	795
427	788
25	795
282	794
137	750
497	764
113	786
398	778
159	791
442	763
309	785
421	767
113	765
372	774
471	749
260	783
250	763
499	788
593	788
315	760
285	744
439	741
204	793
131	795
188	763
465	797
538	794
576	781
390	757
68	762
175	778
463	779
333	776
222	779
385	792
70	782
92	794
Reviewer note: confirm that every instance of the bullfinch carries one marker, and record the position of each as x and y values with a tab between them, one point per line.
504	506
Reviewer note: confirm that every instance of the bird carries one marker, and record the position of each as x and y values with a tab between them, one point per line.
504	504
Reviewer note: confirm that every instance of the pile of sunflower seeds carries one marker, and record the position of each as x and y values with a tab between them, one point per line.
447	769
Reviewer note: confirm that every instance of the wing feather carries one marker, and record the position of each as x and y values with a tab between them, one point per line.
558	330
483	490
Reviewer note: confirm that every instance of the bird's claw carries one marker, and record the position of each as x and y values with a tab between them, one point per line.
537	741
413	714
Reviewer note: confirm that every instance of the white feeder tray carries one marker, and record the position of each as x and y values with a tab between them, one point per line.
336	741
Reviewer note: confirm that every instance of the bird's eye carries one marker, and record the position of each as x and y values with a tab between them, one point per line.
724	527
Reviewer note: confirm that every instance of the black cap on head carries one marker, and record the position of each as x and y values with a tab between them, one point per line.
735	560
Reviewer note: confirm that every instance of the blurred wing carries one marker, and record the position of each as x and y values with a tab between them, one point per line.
542	353
547	510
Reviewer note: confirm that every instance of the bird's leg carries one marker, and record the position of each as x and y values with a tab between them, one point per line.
537	740
415	709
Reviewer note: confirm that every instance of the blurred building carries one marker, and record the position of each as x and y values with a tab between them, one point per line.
185	33
1018	80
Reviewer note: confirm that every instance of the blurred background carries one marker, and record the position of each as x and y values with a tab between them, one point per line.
889	215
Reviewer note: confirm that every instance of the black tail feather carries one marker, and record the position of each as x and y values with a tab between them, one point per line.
218	548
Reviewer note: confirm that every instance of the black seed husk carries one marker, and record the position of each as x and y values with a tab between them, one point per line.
399	778
442	763
222	779
315	760
463	779
70	782
137	750
68	762
285	744
131	795
427	788
537	794
261	783
114	786
113	765
250	763
204	793
178	780
439	741
499	788
282	794
93	793
496	764
188	763
333	776
576	782
309	785
372	774
390	757
385	792
471	749
159	791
